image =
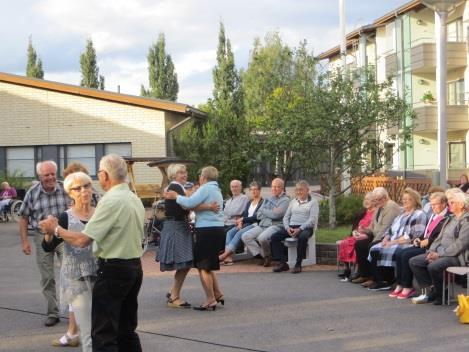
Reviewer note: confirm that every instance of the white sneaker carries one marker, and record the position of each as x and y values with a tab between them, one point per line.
423	298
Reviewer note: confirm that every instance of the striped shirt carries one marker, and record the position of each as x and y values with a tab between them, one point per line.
38	204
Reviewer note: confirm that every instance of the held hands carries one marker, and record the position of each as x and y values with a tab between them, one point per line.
432	256
215	207
293	232
48	225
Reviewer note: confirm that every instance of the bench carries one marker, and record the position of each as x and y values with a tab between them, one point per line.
148	191
291	244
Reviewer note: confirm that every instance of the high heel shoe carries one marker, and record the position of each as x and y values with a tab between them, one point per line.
220	299
211	306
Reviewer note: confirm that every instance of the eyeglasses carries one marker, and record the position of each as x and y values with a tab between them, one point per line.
79	188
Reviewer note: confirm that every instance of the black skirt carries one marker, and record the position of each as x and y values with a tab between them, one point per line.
209	242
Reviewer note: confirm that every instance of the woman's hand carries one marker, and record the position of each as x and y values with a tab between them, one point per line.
170	195
48	225
424	243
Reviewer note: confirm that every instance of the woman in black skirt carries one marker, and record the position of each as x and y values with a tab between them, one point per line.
209	233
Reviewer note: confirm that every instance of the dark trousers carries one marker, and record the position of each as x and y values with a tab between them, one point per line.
427	273
362	248
279	251
404	274
114	308
380	273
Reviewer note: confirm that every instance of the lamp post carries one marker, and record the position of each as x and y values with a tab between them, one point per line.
441	8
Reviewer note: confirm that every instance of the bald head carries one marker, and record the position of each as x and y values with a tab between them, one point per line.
277	186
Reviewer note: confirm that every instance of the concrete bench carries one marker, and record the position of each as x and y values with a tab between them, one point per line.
291	244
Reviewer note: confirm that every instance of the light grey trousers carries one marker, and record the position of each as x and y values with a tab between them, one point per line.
82	309
257	239
45	264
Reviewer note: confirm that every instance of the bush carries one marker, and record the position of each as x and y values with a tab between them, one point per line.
15	179
347	207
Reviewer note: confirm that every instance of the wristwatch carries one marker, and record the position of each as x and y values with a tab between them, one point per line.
56	232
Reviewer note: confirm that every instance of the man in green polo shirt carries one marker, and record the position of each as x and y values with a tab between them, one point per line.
116	230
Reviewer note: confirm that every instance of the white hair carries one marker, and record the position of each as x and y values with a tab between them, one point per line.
459	196
379	192
115	166
40	164
173	169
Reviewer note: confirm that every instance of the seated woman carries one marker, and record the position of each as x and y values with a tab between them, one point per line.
404	274
448	249
7	193
247	222
346	252
463	183
409	225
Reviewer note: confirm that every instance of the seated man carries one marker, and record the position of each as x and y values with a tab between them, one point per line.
234	207
386	211
448	249
7	193
270	216
299	222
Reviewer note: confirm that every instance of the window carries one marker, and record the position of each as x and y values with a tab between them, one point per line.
454	31
457	155
456	92
122	149
390	37
84	154
388	155
20	160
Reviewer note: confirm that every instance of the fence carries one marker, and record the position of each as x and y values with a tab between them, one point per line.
394	186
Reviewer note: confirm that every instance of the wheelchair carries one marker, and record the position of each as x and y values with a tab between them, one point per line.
11	211
154	225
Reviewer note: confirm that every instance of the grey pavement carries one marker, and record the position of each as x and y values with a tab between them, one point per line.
312	311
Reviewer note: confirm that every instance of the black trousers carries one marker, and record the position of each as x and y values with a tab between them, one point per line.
427	273
114	308
279	251
380	273
362	248
404	274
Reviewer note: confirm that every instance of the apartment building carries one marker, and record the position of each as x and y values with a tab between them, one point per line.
401	45
43	120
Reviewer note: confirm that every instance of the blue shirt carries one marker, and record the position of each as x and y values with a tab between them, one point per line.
206	194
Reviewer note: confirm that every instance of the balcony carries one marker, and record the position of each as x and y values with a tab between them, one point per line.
423	58
457	118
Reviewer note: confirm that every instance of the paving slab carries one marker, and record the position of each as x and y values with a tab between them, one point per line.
264	311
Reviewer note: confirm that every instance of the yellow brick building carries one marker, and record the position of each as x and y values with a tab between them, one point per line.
42	120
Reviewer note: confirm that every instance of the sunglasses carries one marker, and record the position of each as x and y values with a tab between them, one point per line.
79	188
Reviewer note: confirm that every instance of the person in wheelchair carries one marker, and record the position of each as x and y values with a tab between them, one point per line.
7	193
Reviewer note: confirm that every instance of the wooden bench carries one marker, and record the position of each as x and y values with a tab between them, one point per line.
148	191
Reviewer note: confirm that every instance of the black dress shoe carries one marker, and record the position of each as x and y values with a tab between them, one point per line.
281	267
354	276
51	321
437	302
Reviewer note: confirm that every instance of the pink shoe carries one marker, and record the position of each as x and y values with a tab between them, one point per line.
395	293
407	295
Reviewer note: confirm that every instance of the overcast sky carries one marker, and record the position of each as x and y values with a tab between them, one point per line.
123	30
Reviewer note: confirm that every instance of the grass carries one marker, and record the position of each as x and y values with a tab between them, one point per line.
326	235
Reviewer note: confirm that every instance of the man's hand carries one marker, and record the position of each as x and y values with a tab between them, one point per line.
432	256
26	247
48	225
215	207
239	223
293	232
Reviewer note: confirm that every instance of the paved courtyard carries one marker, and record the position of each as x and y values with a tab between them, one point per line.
312	311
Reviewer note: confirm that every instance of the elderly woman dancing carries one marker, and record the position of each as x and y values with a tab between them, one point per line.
209	234
78	270
176	239
409	225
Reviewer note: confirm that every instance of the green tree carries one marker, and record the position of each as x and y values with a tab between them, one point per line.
286	126
161	75
34	65
90	76
353	119
223	139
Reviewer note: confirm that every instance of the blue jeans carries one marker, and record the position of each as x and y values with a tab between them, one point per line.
233	237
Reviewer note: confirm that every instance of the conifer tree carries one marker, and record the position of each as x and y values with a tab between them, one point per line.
161	75
34	65
90	77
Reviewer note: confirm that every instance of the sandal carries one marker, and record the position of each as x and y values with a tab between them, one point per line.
173	303
66	341
228	262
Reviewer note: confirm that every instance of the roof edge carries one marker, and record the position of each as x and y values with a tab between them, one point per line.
150	103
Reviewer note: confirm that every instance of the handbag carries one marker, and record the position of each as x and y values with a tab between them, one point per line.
462	311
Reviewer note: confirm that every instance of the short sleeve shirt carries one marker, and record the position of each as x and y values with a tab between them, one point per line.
116	226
